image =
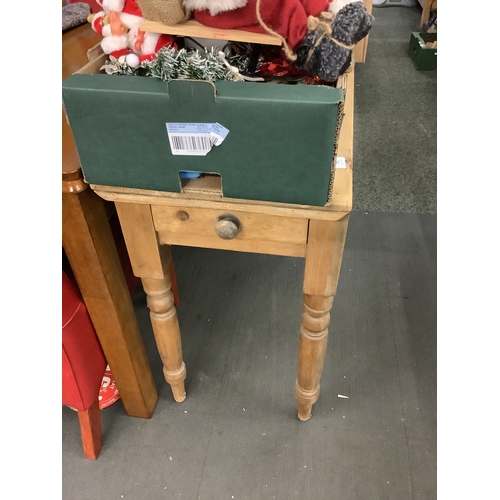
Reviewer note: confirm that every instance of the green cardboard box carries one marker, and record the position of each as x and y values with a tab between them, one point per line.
275	142
424	56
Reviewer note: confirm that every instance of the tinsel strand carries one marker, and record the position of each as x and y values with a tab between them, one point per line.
172	64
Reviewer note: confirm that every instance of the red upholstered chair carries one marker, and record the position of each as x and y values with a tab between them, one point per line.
83	366
83	360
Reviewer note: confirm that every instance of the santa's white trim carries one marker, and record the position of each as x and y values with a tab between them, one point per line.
106	30
130	20
150	42
109	5
336	5
111	43
214	6
132	60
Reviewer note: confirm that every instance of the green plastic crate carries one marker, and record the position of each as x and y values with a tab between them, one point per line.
423	56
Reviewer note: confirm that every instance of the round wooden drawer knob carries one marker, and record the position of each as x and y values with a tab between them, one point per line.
182	215
227	227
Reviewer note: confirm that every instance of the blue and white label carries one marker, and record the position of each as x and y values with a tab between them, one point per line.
219	133
195	139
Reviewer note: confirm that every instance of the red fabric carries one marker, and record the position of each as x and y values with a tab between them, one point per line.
286	17
83	362
131	7
96	24
161	41
94	6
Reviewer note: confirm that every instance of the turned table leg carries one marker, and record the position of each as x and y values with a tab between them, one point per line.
160	300
323	260
151	262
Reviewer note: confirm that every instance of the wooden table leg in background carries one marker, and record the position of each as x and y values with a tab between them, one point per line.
151	262
92	254
323	259
427	7
91	250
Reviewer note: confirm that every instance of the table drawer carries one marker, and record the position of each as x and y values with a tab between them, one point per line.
240	231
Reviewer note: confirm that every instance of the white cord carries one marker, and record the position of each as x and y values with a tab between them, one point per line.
236	72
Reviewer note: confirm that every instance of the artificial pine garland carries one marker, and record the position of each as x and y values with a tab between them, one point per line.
172	64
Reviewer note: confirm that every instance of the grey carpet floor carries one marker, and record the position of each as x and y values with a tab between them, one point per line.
237	435
395	121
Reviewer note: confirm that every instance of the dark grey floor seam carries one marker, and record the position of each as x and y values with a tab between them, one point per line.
401	392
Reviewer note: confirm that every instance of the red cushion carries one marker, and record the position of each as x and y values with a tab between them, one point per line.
83	362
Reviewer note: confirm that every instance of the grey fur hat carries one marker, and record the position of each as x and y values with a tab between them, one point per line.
326	49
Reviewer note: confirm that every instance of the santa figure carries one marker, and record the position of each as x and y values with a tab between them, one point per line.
129	11
114	22
286	19
145	45
115	41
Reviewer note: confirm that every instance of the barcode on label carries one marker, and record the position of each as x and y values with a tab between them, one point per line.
190	143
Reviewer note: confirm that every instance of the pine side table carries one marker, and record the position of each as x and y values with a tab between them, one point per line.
152	221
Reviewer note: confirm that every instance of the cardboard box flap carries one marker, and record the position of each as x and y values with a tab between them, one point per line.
307	94
280	93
